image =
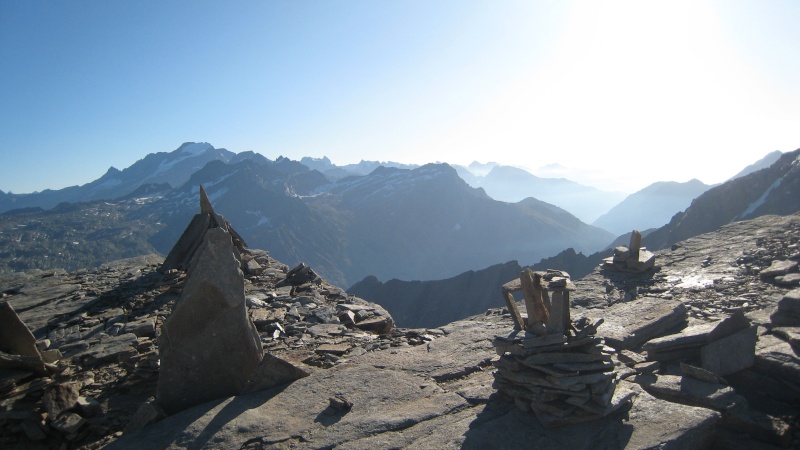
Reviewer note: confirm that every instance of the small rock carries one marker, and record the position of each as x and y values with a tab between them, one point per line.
59	398
68	422
145	415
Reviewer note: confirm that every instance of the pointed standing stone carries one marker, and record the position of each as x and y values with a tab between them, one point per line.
205	203
209	347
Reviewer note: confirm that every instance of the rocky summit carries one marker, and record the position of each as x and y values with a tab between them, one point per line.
702	348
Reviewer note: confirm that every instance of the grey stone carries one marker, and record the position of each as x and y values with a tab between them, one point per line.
777	357
702	374
790	279
779	268
143	327
109	349
691	391
35	302
628	325
68	422
788	334
734	323
209	347
182	252
553	357
694	336
274	371
730	354
378	325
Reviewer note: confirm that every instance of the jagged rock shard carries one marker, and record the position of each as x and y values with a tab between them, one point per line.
182	253
205	203
183	250
17	339
209	347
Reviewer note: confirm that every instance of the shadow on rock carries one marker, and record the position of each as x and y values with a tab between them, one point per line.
172	431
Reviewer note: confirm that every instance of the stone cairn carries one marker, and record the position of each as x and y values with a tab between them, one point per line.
209	346
559	369
633	258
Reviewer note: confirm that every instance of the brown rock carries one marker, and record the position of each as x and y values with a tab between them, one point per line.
534	303
59	398
145	415
17	339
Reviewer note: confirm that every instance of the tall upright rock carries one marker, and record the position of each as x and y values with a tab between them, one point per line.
209	346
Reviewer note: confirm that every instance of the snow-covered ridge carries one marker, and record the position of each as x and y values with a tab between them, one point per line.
196	148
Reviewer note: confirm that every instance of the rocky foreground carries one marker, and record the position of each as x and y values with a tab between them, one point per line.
373	386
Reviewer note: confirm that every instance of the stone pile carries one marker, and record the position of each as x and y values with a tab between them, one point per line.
633	258
558	369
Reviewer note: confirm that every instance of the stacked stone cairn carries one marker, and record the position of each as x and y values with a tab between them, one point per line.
558	369
634	258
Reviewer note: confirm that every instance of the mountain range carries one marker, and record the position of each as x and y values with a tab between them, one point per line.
771	190
386	220
512	184
420	223
650	207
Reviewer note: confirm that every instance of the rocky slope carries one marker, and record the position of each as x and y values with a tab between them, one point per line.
773	190
424	223
421	388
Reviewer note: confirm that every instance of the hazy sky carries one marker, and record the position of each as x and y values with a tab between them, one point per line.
627	92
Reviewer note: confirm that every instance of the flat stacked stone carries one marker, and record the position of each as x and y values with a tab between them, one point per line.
562	379
560	370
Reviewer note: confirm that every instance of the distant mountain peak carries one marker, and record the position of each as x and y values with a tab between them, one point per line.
194	148
762	163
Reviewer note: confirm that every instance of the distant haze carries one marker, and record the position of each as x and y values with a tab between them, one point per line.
616	95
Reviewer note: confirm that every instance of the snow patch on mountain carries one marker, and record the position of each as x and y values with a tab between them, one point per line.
756	204
195	148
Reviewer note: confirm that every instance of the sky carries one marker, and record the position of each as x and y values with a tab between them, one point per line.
614	94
